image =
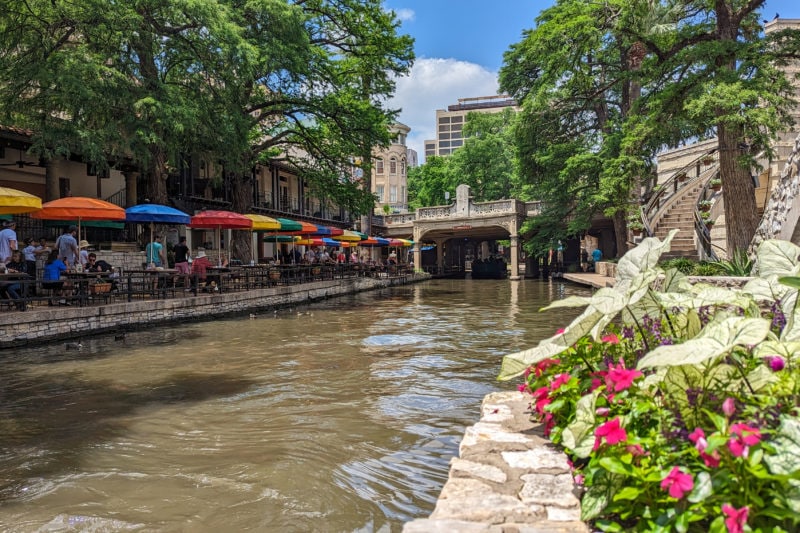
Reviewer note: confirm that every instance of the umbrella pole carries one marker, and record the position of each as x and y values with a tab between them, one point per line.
151	259
219	246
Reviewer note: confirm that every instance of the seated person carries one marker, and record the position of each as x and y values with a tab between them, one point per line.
12	289
51	277
200	265
93	265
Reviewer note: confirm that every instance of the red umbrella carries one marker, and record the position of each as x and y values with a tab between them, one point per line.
219	220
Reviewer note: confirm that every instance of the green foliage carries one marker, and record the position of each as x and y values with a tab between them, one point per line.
738	265
678	402
487	162
682	264
706	268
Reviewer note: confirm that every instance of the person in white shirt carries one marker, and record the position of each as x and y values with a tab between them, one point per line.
8	241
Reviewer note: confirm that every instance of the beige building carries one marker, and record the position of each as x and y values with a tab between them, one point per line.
390	172
450	122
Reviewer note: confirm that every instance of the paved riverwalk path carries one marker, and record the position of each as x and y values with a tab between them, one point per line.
507	478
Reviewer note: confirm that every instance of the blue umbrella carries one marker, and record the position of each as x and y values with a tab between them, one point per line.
161	214
156	213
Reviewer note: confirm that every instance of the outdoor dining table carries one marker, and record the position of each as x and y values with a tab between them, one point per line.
154	282
80	282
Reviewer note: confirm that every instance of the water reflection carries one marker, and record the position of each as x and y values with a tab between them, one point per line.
341	416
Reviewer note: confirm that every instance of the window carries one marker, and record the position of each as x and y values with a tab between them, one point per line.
457	120
392	166
402	167
403	195
63	187
393	194
443	129
445	136
444	120
379	166
444	144
379	192
456	144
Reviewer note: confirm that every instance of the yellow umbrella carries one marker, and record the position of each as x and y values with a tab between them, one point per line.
348	235
262	223
14	202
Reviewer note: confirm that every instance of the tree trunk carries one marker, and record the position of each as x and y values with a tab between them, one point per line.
242	199
156	189
738	190
621	232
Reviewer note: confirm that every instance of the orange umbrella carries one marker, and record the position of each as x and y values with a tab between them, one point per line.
79	208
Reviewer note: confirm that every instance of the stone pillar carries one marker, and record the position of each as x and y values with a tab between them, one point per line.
514	258
440	255
417	257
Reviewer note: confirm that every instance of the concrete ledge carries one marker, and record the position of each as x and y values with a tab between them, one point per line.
45	324
507	477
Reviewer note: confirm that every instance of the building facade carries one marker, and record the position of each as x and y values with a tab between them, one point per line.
450	122
390	172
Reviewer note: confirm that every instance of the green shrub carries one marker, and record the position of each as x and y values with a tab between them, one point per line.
682	264
707	268
677	403
738	265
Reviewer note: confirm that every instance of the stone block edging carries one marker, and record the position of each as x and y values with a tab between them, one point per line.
508	477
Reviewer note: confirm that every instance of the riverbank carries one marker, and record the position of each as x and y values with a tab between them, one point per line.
507	477
48	324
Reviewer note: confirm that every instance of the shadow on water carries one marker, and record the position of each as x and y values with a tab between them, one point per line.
63	416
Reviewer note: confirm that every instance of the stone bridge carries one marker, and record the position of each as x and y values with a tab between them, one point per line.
464	219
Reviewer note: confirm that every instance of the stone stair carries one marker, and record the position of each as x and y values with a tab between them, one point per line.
680	216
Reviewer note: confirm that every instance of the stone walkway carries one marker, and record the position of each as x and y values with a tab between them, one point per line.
507	478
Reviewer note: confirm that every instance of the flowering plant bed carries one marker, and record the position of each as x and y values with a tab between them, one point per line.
678	403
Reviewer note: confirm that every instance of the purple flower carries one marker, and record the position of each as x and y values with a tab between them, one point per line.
776	363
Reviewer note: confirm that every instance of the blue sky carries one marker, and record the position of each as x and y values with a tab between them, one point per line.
459	48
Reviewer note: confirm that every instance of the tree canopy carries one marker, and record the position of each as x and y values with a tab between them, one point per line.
605	86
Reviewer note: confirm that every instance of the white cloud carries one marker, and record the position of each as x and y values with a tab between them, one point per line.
404	14
435	84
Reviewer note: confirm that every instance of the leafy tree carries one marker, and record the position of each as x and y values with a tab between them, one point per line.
487	162
576	79
428	183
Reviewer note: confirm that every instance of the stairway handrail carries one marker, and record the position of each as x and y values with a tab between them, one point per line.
671	186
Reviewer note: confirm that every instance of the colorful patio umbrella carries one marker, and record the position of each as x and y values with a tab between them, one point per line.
350	236
328	231
219	220
79	208
288	224
263	223
14	202
155	213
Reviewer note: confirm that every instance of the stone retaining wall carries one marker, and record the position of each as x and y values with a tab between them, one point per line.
41	325
507	477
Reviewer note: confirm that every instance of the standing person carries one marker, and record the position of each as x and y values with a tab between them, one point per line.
584	259
8	241
182	257
29	254
67	247
84	253
597	256
155	253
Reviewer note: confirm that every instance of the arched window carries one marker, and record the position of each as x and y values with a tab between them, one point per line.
379	165
393	166
402	167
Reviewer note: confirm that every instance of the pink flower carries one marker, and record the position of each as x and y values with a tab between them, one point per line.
611	338
543	365
742	437
728	407
619	378
560	379
698	437
523	387
677	483
635	450
549	422
611	432
559	331
711	461
579	479
602	411
776	363
736	518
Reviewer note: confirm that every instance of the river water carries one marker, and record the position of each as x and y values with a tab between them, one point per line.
337	416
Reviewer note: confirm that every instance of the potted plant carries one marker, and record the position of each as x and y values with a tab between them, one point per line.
715	184
704	205
681	176
707	160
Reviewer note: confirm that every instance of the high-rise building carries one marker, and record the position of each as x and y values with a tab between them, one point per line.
450	122
390	171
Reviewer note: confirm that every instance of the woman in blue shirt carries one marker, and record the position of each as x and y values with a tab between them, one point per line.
51	277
